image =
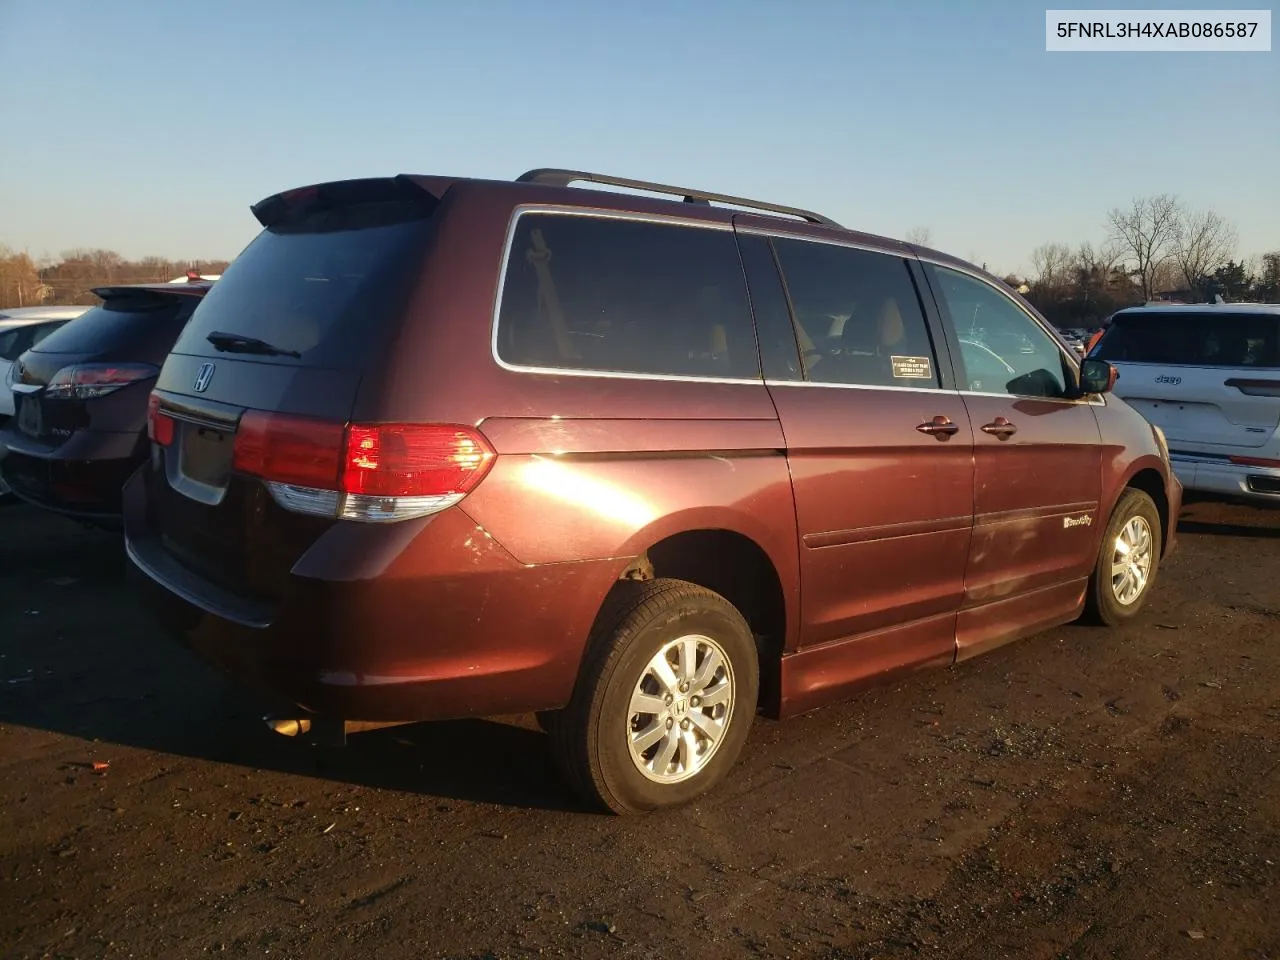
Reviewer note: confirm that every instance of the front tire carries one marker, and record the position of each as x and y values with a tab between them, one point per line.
665	699
1128	561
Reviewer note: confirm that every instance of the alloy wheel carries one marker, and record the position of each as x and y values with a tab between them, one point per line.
680	709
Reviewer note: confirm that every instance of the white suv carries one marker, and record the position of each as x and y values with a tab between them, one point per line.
1209	376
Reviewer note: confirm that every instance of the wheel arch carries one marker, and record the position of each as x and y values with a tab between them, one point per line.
739	568
1149	480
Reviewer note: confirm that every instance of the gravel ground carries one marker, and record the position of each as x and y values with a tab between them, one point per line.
1082	794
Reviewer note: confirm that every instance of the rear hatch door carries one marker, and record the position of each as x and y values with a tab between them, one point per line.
102	365
288	329
1209	379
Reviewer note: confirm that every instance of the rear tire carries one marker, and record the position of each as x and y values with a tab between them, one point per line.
664	701
1128	561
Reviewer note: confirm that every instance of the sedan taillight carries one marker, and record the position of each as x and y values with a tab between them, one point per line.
88	381
159	424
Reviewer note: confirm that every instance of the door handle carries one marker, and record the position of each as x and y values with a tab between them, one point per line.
940	427
1000	428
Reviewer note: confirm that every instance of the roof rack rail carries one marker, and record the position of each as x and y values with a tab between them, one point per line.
550	176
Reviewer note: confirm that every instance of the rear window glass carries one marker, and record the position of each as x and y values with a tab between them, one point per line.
1217	339
119	318
325	286
11	343
632	296
42	330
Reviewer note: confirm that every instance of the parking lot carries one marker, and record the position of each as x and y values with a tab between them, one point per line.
1085	793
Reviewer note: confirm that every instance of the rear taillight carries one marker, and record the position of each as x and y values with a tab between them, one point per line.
409	460
88	381
300	451
1256	462
361	471
159	423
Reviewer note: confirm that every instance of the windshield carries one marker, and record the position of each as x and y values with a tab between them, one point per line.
1209	339
320	290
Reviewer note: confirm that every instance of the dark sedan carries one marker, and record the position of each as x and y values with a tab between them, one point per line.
80	427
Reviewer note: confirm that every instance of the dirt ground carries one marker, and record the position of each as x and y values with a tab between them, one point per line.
1083	794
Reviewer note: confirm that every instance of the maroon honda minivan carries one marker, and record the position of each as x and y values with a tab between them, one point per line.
645	466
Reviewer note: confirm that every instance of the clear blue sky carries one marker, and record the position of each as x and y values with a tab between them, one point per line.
149	127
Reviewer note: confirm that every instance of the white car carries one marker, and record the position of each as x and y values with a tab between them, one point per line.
20	329
1209	376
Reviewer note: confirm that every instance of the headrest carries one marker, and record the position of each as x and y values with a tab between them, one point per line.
719	342
892	329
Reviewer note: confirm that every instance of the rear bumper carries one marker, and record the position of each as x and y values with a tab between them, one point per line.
421	620
81	478
1211	475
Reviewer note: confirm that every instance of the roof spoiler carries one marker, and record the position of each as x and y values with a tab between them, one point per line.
281	208
153	291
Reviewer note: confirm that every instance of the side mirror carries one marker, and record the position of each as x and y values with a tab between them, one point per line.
1097	376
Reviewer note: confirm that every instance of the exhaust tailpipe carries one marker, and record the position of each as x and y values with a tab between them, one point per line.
325	728
290	726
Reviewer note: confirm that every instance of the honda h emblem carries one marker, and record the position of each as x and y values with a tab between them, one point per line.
203	377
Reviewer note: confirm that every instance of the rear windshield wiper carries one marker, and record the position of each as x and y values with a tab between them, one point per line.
238	343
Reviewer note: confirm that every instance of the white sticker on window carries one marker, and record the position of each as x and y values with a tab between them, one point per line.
912	368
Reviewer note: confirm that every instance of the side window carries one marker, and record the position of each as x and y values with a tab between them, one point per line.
1200	339
43	330
778	351
1002	349
10	345
632	296
858	316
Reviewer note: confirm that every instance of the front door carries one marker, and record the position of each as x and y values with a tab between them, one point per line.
1037	466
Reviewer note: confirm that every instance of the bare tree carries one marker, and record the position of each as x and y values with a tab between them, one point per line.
1146	234
1099	276
19	281
1202	243
1052	263
1269	277
1101	261
72	278
1167	276
919	236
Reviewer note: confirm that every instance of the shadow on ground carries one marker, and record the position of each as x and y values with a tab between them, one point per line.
1250	522
78	657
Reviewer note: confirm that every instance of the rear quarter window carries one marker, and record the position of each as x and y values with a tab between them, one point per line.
604	294
1217	339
